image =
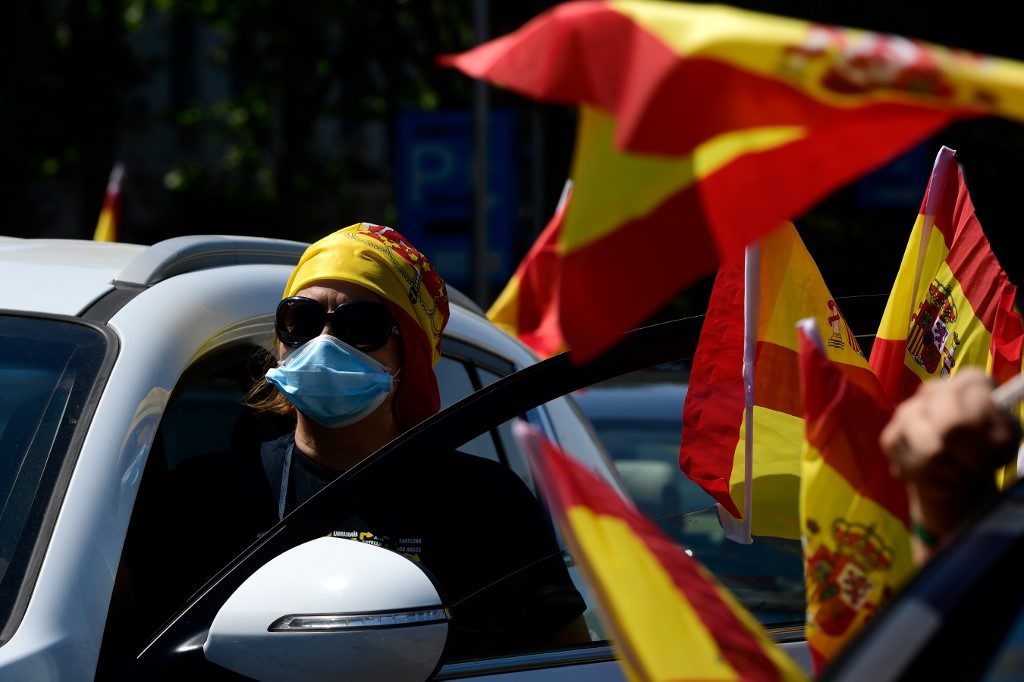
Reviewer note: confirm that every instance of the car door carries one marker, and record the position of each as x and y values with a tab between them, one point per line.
205	418
535	393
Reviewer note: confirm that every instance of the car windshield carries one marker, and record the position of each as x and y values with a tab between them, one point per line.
47	370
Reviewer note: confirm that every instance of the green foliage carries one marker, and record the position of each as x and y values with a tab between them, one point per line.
269	116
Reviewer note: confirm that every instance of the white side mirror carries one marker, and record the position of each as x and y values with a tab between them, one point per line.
332	609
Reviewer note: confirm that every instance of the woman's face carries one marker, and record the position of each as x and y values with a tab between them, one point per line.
333	293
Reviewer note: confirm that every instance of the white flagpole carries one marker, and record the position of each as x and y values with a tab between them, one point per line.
809	326
739	531
940	173
1010	393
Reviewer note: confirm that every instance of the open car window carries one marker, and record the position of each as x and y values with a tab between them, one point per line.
516	396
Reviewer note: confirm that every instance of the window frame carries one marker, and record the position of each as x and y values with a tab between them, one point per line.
58	471
180	641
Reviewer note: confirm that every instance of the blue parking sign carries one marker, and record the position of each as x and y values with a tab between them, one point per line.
434	154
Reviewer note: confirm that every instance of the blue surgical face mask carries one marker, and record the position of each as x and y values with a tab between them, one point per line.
331	382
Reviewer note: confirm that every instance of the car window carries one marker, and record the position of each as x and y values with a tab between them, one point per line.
588	630
206	413
638	417
206	418
48	370
766	575
456	379
543	393
463	369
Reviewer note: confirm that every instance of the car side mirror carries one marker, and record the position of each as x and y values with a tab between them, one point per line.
332	609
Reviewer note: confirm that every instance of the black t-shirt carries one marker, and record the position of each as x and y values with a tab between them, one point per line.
471	523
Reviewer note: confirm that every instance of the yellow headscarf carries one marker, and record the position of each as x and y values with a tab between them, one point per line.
383	261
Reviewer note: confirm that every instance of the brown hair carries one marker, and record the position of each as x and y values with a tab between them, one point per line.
262	396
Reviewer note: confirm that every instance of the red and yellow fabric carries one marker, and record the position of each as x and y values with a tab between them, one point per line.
712	453
108	227
527	307
853	513
702	127
379	259
955	307
668	616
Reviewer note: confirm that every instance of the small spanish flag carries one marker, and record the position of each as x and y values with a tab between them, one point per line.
108	227
742	428
951	288
952	304
668	616
854	513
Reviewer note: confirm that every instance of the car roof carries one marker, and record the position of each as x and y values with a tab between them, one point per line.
84	270
87	270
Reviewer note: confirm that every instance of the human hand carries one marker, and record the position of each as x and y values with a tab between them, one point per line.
946	442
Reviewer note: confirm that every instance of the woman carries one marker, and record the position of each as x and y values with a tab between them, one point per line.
359	331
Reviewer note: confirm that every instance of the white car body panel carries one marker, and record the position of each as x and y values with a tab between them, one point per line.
29	267
250	292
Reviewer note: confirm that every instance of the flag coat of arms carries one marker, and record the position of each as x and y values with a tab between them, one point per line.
670	620
854	514
716	424
687	111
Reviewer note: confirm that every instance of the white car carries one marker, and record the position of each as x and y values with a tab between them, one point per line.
119	361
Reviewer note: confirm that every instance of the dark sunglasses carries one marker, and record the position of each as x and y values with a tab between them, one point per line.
365	325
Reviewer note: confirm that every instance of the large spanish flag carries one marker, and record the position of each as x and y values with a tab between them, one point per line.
527	307
668	616
952	304
853	512
743	430
108	226
702	127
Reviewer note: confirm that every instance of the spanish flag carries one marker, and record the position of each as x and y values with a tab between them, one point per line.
743	416
952	304
854	514
702	127
108	227
668	616
527	307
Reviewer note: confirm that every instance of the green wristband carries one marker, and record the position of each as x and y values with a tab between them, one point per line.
923	534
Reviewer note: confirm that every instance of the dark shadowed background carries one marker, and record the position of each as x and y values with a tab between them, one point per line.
292	119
